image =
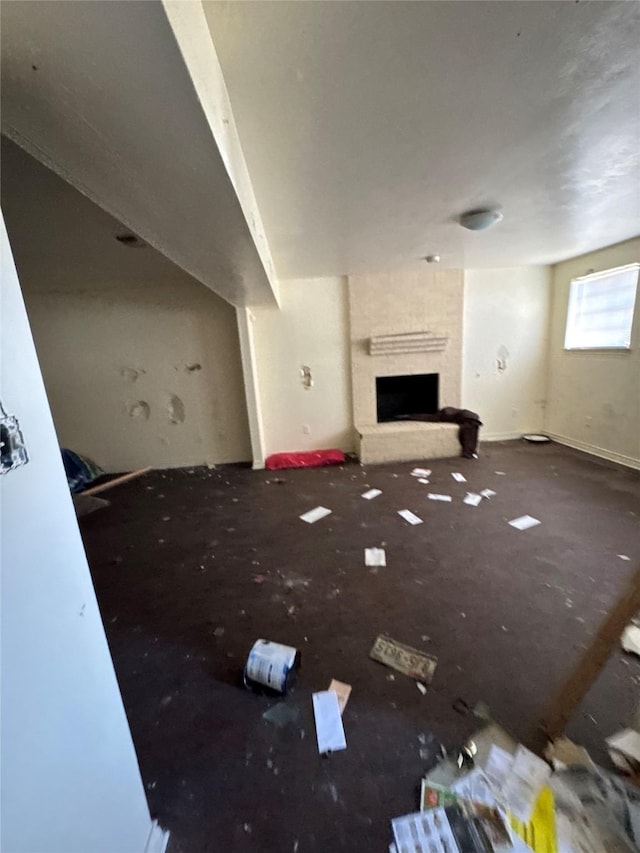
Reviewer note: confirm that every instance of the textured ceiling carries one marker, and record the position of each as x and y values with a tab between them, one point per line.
368	126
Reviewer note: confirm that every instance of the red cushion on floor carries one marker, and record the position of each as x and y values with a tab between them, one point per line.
304	459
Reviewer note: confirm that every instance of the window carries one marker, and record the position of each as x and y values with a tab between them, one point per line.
601	309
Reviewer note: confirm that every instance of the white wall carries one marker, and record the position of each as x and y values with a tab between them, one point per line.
117	329
504	360
594	397
70	778
312	329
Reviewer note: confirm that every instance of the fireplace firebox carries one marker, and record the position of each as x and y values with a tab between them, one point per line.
398	396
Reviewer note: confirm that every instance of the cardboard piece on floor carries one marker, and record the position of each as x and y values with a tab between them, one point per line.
563	752
409	516
421	472
472	499
487	493
630	639
375	557
329	730
434	497
315	514
404	659
342	691
459	478
371	494
524	522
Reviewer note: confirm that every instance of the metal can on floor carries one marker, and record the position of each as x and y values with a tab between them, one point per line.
270	665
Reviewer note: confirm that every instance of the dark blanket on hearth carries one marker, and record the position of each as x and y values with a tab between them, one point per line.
469	422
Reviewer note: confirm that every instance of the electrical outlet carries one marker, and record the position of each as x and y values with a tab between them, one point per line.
306	429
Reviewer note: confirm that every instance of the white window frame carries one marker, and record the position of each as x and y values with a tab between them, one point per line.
577	285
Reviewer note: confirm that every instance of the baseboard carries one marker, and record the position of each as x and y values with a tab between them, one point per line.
157	840
499	436
594	450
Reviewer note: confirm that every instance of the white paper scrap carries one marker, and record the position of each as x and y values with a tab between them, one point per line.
423	481
624	557
630	639
315	514
423	832
329	730
475	786
487	493
459	478
375	557
433	497
409	516
533	770
371	494
421	688
472	499
498	765
524	522
501	473
420	472
627	743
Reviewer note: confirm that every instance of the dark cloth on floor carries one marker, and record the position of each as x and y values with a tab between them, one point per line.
469	423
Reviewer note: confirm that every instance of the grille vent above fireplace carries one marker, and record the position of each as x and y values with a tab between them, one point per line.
406	343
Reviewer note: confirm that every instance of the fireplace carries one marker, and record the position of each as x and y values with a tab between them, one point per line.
397	396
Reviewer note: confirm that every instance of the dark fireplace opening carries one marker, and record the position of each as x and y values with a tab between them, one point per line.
406	395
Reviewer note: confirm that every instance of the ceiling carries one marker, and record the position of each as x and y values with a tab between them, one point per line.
100	93
369	126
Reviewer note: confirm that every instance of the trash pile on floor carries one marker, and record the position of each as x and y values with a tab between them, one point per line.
496	795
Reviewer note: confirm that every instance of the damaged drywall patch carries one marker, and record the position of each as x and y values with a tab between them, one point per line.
175	409
139	409
191	368
503	358
130	373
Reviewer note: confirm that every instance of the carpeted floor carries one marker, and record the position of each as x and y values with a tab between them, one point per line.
191	566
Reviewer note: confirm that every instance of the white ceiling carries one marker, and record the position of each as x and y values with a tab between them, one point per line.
100	93
368	126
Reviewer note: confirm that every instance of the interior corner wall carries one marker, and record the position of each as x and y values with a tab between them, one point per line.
141	376
141	362
69	781
311	329
594	396
505	343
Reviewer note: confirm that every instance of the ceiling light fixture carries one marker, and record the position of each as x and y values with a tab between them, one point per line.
480	220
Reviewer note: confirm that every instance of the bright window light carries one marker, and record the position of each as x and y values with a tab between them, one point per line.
601	309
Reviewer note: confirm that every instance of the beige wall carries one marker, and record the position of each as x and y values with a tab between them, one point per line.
311	329
141	363
594	397
504	363
399	303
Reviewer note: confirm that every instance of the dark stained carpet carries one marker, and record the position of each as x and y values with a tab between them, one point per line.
175	559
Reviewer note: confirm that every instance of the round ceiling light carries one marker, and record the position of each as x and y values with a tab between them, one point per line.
480	220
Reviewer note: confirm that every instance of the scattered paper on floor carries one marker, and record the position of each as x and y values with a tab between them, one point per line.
329	730
372	493
423	481
421	688
409	516
624	749
472	499
517	779
487	493
342	691
630	639
315	514
404	659
434	497
375	557
421	472
524	522
624	557
459	478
